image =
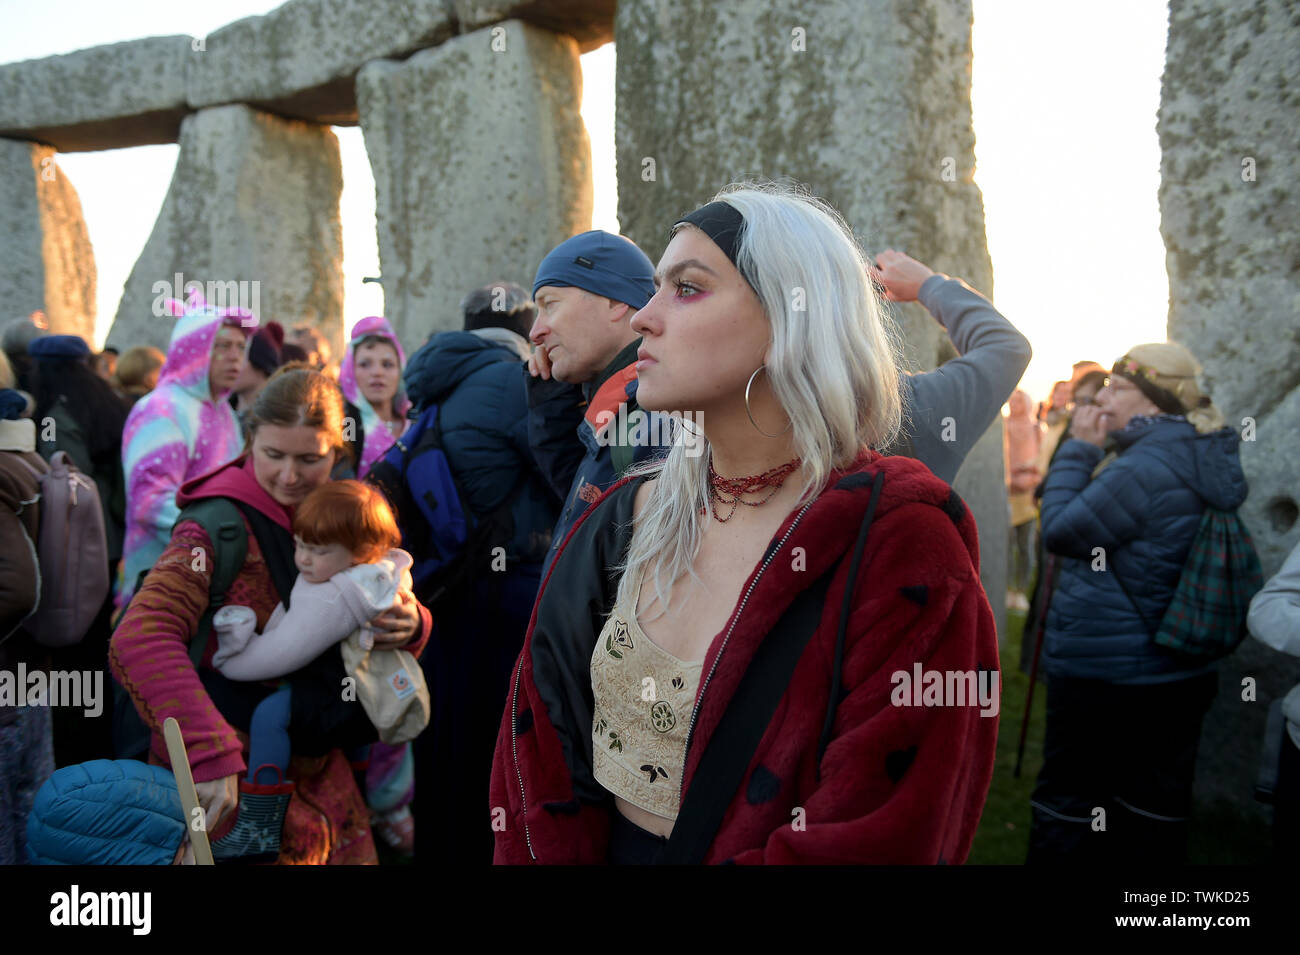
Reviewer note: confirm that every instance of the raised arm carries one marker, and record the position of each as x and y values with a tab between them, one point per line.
1080	512
555	411
971	388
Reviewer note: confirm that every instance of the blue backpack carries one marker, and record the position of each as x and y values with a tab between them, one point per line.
451	548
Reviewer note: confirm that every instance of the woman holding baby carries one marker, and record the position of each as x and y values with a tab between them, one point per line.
295	437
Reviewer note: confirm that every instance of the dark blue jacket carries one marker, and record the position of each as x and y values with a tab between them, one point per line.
562	429
483	418
1143	510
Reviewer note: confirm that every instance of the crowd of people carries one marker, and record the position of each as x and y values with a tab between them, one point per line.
622	571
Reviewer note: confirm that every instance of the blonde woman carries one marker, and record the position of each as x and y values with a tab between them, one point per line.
714	666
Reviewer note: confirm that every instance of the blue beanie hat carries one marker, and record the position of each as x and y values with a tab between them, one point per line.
601	263
59	346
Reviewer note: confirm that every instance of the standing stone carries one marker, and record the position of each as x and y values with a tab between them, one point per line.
104	97
252	213
590	22
868	104
1230	216
46	261
302	58
481	165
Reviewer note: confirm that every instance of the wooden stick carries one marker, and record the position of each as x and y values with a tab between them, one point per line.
185	786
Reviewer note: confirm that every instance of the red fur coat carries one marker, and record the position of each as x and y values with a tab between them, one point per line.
898	784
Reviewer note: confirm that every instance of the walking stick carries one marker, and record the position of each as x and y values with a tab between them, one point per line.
1040	625
185	786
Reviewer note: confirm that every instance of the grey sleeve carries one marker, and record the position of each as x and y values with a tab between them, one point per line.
1274	616
970	389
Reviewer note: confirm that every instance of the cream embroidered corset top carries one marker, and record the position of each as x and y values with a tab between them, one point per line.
643	696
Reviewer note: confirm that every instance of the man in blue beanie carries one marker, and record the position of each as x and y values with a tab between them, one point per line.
582	375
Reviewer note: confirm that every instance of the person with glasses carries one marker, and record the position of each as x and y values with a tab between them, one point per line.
1122	505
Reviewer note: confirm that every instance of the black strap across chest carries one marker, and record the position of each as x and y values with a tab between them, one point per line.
721	769
732	745
277	550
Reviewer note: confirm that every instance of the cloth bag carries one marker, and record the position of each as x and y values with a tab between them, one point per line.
1207	615
390	687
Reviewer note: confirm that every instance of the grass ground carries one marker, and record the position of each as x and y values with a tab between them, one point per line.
1218	834
1003	834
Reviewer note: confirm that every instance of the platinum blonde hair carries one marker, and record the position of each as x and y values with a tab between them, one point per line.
833	366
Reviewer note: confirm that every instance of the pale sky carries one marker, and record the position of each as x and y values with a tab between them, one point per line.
1065	100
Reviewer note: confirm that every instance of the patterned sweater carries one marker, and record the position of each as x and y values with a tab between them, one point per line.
150	650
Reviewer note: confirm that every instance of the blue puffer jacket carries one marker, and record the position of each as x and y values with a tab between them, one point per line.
1143	509
483	416
106	812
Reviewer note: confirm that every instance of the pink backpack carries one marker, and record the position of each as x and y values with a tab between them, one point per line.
73	554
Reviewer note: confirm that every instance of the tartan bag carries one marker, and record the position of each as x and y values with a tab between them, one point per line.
1207	616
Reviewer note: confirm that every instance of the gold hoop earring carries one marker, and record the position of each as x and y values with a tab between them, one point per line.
749	384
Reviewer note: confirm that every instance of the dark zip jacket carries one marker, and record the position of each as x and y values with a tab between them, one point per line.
580	470
483	420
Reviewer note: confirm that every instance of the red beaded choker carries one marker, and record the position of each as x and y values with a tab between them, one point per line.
735	487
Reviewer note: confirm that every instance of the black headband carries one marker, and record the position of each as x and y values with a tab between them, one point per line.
723	223
1162	398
